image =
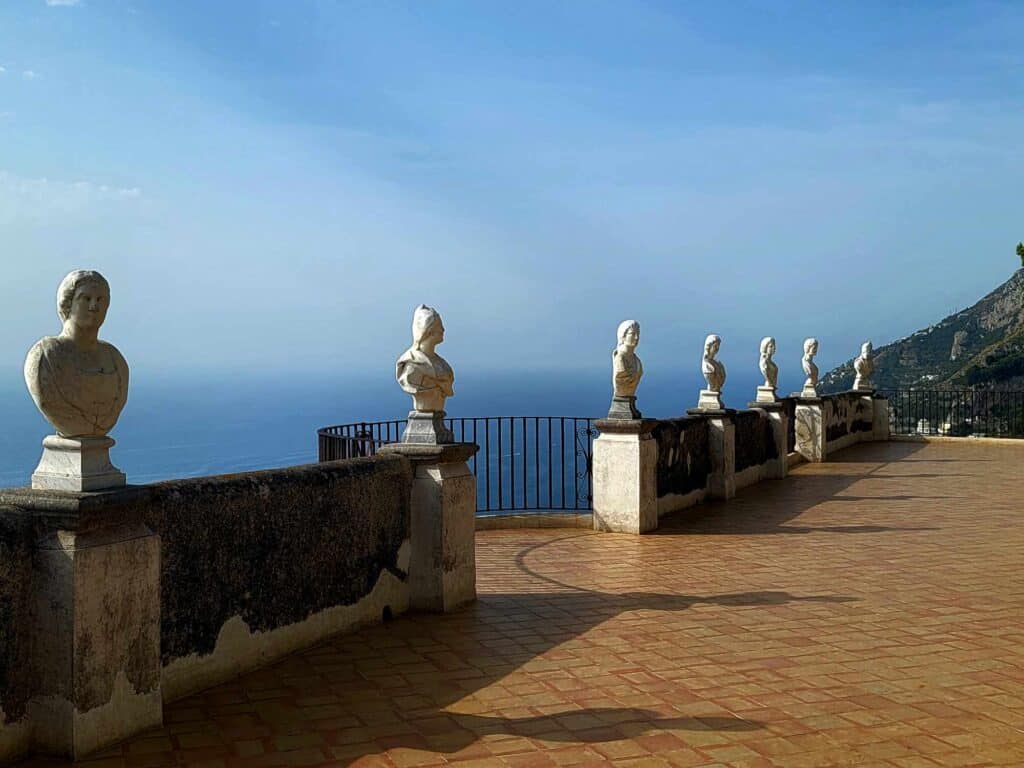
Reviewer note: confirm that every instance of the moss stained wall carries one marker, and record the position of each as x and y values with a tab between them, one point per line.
684	459
274	547
755	440
15	617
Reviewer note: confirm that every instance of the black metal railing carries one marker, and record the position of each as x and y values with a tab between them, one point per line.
525	463
956	412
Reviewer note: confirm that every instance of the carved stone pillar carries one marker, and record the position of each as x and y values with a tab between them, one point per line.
810	429
625	476
95	619
442	565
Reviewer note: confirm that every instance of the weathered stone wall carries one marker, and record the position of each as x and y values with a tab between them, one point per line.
755	440
247	554
15	631
252	567
845	415
684	462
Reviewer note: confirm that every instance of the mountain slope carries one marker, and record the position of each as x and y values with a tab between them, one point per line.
980	346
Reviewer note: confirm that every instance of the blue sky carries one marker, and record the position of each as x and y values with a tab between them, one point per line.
272	186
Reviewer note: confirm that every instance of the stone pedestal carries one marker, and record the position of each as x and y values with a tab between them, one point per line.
765	395
722	447
779	420
810	428
879	417
96	620
77	464
624	407
442	565
427	428
710	400
625	468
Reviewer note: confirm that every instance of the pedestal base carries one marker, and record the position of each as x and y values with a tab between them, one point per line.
442	565
76	464
710	400
766	395
427	428
624	408
808	393
625	466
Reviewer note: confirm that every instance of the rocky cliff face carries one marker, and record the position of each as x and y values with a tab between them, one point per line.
980	346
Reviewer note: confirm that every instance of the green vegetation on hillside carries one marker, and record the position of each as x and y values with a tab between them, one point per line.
982	346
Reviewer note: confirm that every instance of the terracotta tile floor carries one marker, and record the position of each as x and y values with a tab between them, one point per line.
869	611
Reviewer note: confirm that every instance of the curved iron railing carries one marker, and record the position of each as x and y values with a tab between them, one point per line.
525	463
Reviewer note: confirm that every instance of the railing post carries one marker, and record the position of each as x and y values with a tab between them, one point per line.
722	446
879	416
779	420
442	526
94	618
625	464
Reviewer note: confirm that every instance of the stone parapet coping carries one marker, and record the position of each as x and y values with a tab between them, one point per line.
433	454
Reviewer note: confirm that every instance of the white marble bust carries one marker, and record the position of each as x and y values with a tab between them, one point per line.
713	370
864	366
78	381
422	372
810	368
627	370
769	369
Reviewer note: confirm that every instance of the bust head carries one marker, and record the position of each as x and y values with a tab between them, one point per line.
711	345
767	346
82	300
629	333
427	328
866	349
810	347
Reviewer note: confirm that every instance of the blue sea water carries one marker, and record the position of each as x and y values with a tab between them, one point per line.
187	428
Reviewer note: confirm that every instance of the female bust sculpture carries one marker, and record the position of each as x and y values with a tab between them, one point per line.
810	369
627	369
422	372
769	369
864	366
713	370
79	382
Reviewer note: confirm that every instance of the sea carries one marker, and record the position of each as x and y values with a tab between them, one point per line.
225	424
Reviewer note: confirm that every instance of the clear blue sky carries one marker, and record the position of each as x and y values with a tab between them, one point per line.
278	184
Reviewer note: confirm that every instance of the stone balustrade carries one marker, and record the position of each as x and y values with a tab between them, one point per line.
115	602
647	468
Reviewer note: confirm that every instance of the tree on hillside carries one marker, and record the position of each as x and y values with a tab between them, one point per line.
1020	252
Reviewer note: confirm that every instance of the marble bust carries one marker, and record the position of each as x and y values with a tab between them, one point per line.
864	366
426	376
769	370
713	370
627	370
714	375
78	381
810	368
80	384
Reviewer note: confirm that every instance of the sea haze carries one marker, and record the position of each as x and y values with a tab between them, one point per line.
186	428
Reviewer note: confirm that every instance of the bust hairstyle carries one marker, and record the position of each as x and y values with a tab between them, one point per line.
423	319
624	327
810	346
709	341
71	283
766	342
